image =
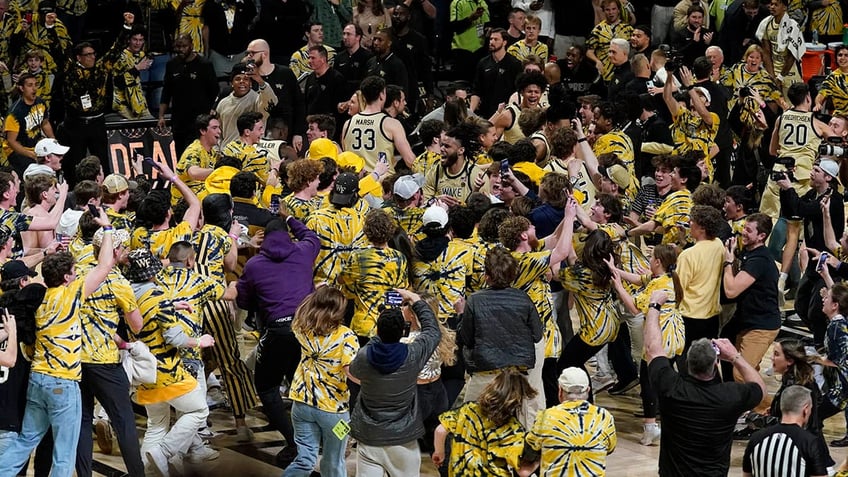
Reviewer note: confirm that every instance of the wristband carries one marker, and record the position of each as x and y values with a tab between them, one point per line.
108	228
728	263
234	237
44	252
655	306
582	139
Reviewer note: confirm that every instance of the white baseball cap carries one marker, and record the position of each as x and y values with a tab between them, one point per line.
48	146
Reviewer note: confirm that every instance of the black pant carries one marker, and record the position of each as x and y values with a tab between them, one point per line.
808	305
84	137
695	329
647	392
108	383
277	357
577	352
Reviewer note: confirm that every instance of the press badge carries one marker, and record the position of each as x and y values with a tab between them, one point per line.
86	102
341	430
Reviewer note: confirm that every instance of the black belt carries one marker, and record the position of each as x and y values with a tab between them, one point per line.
88	119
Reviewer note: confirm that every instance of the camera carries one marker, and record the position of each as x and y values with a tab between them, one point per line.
788	163
745	92
674	60
250	64
835	147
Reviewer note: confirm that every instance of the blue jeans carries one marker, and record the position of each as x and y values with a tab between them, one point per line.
7	437
53	402
313	429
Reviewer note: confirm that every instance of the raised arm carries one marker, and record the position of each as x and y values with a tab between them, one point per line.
668	96
51	220
192	214
652	335
105	260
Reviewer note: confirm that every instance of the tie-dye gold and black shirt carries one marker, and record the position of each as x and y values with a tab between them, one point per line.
158	316
100	315
54	42
443	273
479	447
533	277
17	223
366	277
408	219
182	284
58	334
252	159
595	305
340	232
319	380
573	439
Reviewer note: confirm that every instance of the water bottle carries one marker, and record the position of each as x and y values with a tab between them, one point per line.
845	34
815	37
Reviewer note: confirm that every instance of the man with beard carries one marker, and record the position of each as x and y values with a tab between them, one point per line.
289	105
452	179
199	158
411	45
371	131
352	61
128	98
640	41
692	42
385	63
243	100
325	87
578	74
494	80
190	88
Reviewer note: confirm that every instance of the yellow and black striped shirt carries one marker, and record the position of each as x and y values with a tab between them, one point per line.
408	219
671	321
299	208
159	242
618	143
674	212
252	159
596	306
532	277
183	284
835	87
194	155
521	50
340	232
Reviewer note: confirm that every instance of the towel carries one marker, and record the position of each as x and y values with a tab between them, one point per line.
788	36
139	364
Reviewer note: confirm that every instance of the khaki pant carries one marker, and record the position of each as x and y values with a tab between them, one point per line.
753	345
770	203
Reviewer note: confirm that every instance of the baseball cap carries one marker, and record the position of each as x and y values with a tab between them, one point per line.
323	147
49	146
346	190
830	167
116	183
618	174
573	380
142	265
46	6
5	235
436	214
121	236
407	186
704	91
38	169
15	269
350	159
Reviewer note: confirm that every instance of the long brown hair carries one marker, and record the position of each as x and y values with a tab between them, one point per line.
321	312
667	255
599	247
502	398
800	370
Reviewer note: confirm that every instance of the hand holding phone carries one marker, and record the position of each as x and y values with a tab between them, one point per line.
822	261
153	164
393	299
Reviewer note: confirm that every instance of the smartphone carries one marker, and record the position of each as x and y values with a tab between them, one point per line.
407	326
150	162
393	299
274	205
28	17
92	209
822	261
60	178
504	167
382	158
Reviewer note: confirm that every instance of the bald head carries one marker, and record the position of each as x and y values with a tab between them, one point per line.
258	44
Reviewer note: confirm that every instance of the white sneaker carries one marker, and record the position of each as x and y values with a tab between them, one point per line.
201	454
157	461
781	290
650	434
207	433
601	382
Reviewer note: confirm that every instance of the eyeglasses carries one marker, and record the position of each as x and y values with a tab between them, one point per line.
251	53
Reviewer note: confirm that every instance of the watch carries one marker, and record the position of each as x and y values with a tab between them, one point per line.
655	306
728	263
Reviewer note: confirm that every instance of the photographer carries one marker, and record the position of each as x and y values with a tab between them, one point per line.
823	180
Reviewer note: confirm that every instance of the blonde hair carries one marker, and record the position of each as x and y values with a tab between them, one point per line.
447	345
321	312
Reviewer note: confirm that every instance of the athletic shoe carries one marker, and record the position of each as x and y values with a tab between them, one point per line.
157	461
840	442
244	434
215	398
650	434
103	431
207	433
781	291
621	388
201	454
601	382
743	434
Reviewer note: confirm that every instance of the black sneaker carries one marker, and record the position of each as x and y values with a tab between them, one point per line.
743	434
840	442
286	456
622	387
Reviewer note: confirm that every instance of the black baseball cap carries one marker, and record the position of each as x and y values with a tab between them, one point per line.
14	269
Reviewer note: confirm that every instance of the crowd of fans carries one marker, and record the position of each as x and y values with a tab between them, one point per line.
404	202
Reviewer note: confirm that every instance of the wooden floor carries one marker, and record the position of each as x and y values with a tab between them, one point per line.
256	459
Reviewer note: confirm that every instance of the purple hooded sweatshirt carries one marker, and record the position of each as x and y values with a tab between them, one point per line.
276	281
